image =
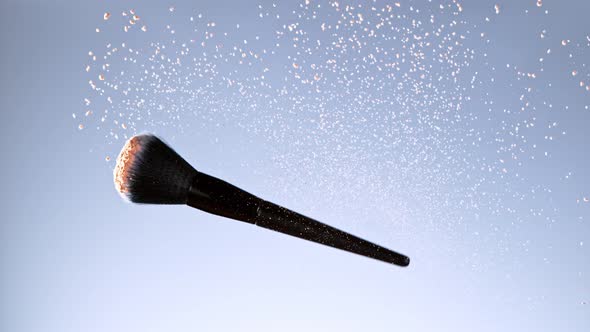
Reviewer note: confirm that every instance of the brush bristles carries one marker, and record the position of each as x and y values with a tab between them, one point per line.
149	171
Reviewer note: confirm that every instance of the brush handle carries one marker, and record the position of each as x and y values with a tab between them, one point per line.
280	219
216	196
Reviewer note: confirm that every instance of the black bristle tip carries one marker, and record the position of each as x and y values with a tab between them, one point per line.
153	172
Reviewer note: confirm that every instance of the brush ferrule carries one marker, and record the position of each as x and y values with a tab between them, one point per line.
216	196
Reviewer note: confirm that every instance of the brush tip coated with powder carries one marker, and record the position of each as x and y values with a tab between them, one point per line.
149	171
123	166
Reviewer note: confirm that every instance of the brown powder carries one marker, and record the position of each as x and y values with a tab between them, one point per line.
124	162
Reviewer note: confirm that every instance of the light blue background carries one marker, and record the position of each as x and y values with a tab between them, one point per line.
74	257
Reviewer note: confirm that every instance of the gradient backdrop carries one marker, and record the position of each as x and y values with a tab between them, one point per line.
491	251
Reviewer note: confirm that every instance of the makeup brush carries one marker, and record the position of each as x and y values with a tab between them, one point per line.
149	171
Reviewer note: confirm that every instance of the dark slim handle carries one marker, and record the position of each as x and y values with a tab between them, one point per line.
282	220
218	197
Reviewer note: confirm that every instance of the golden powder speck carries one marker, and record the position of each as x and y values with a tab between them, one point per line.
107	158
106	16
80	126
